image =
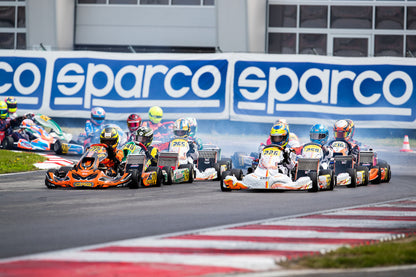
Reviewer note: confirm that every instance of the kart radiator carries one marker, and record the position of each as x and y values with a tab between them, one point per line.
167	159
135	159
206	159
308	164
366	157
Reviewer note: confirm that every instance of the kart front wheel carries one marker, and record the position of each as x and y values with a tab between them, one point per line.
7	143
353	174
314	177
57	147
378	179
47	183
331	176
238	173
222	185
135	179
191	171
169	175
366	174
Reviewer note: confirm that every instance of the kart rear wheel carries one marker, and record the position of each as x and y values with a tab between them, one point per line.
353	174
388	174
217	168
7	143
159	175
238	173
331	174
57	147
314	177
169	175
226	161
190	167
135	179
378	179
366	174
222	185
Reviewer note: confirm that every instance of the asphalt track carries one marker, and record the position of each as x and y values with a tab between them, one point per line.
35	219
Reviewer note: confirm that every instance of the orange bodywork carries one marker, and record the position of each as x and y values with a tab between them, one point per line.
373	174
237	185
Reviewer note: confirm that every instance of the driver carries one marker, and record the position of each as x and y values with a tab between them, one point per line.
110	137
279	135
193	125
155	123
11	106
94	124
344	130
181	129
134	121
4	122
318	134
144	135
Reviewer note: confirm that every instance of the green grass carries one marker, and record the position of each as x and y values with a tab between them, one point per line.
11	161
392	253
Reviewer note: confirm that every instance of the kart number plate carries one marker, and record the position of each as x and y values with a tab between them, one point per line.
83	184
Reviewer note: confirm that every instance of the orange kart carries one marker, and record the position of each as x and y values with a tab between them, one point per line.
89	172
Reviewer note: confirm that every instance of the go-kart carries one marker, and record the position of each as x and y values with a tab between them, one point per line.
176	166
271	174
208	166
343	163
37	138
379	169
148	175
89	172
314	151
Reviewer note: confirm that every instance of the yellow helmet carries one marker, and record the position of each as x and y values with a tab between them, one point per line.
3	110
279	134
110	137
155	114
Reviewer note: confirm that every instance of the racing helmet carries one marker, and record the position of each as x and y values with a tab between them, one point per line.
11	104
144	135
133	122
110	137
193	125
97	116
344	129
319	134
3	110
279	134
181	128
26	123
155	114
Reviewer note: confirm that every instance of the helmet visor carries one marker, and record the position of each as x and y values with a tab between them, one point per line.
3	113
276	139
180	133
317	136
133	125
340	134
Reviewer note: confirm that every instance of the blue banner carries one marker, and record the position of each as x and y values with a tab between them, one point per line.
365	92
24	78
127	86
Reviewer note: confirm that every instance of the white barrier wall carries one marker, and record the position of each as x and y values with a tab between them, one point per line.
239	87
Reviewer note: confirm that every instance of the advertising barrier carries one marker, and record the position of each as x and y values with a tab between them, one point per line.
238	87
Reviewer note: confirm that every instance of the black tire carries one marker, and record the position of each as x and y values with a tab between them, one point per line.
353	174
190	167
135	179
169	173
331	174
378	179
217	168
250	170
159	173
238	173
314	177
388	174
7	143
222	186
47	184
57	147
366	174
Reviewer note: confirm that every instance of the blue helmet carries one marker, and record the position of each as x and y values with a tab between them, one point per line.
97	116
319	134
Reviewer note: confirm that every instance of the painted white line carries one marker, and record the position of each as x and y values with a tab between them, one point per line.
368	223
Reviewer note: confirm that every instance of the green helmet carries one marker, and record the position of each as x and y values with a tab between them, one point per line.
155	114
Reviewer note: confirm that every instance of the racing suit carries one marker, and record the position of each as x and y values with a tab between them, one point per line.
160	130
91	128
113	160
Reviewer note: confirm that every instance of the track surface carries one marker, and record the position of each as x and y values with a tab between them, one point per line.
35	219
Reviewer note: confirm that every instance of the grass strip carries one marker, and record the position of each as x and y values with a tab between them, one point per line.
12	161
391	253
